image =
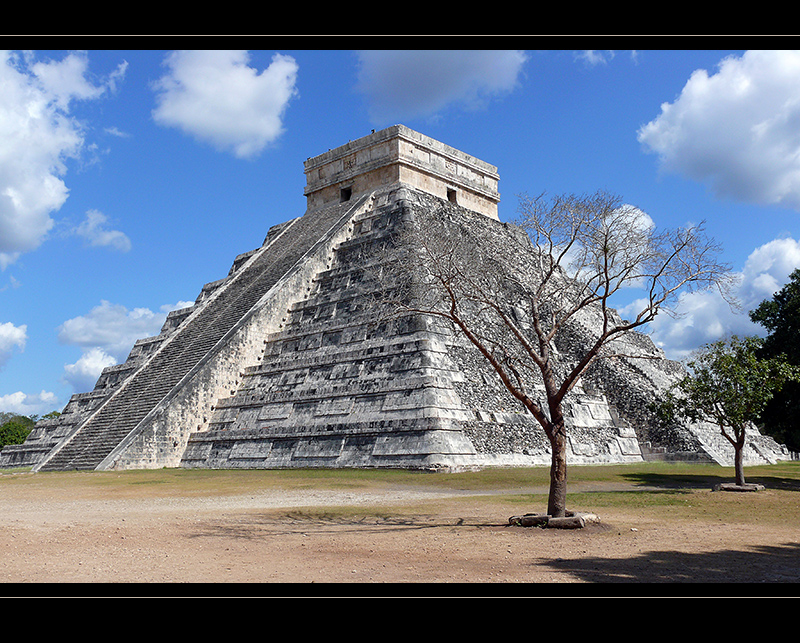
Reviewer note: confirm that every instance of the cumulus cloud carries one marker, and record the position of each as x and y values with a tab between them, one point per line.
83	374
39	135
11	337
218	98
737	130
106	335
94	231
14	337
24	404
113	328
767	270
405	83
704	316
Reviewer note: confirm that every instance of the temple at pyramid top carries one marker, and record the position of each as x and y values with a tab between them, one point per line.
398	155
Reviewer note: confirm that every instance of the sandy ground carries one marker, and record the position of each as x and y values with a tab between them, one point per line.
434	537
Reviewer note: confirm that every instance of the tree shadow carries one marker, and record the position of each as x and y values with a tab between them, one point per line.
763	564
256	526
692	481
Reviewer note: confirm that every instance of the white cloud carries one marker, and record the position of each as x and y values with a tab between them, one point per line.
703	316
218	98
106	335
24	404
115	131
594	57
93	230
405	83
65	80
13	282
737	130
38	136
113	328
767	270
11	337
83	374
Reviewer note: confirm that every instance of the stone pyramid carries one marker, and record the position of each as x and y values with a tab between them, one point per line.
285	363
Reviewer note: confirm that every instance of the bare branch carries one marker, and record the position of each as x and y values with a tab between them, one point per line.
515	292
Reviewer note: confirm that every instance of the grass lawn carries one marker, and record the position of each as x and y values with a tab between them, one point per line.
668	489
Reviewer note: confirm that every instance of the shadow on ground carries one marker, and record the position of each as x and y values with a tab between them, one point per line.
764	564
256	526
729	569
689	481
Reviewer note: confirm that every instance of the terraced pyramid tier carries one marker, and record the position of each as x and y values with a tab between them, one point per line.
196	357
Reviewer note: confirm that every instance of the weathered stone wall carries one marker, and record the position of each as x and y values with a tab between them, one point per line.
397	155
608	412
161	439
336	388
338	385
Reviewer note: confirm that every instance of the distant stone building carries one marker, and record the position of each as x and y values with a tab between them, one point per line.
283	362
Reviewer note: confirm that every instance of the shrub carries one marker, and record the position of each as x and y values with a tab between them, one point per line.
15	431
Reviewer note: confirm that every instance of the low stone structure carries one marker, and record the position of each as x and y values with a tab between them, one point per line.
285	363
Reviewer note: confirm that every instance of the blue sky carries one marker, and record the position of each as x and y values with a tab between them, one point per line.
130	178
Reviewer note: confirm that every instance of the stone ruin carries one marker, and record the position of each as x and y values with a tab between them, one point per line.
282	363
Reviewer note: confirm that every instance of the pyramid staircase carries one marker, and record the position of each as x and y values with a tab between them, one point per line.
337	385
191	343
340	385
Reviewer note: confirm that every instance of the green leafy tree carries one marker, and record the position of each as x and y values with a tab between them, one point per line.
781	317
15	429
728	385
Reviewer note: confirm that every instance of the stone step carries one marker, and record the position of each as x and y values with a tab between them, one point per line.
191	341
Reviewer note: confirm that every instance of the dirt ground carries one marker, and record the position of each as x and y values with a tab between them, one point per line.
303	537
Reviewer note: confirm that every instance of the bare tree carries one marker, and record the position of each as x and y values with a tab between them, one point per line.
513	295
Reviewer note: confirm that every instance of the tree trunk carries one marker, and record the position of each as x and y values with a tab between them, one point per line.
557	500
738	459
737	440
